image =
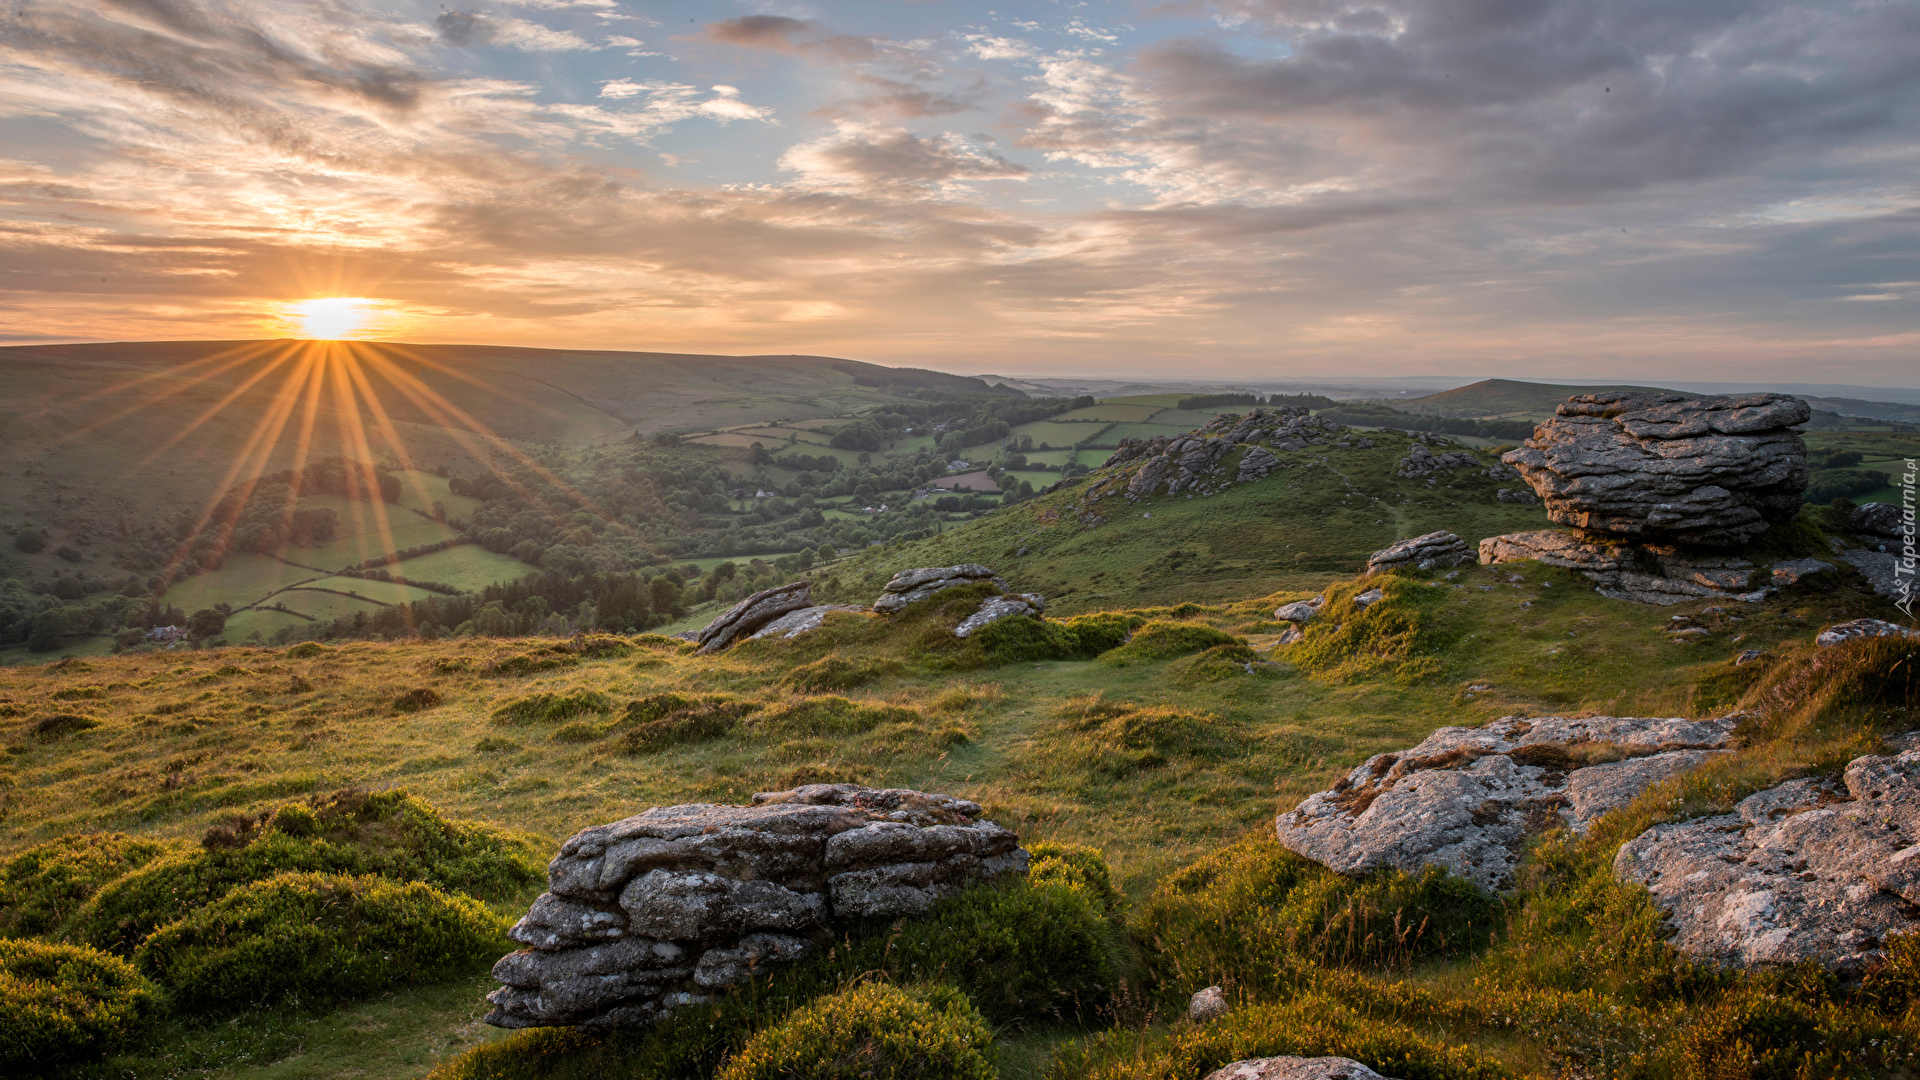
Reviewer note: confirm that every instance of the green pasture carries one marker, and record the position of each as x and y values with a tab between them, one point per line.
1059	435
1113	413
1118	432
468	567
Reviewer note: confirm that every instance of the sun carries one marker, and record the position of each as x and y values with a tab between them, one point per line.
332	318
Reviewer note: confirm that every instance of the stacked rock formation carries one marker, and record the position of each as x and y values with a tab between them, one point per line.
668	907
1435	549
1808	870
1702	471
1466	799
908	586
753	613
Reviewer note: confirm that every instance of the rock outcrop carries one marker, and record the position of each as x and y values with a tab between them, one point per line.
753	613
1643	573
1295	1068
1196	463
1423	464
1466	799
795	623
1886	571
1435	549
1855	629
1793	571
1674	468
908	586
666	908
1808	870
995	608
1512	495
1884	523
1300	611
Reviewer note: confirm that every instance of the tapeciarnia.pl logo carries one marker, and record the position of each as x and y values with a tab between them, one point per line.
1904	566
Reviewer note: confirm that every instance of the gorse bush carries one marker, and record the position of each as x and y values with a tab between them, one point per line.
1345	642
43	886
872	1031
1162	640
548	707
64	1004
1255	914
319	938
390	833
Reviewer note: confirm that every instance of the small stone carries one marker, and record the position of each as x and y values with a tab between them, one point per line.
1207	1005
1367	599
1300	611
1295	1068
1435	549
1748	656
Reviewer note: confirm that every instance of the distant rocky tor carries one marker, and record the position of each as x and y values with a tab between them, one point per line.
671	906
1210	458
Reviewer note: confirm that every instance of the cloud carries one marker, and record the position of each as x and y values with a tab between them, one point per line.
880	160
467	30
796	37
988	47
893	97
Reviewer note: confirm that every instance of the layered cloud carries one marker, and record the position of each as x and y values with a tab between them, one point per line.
1264	186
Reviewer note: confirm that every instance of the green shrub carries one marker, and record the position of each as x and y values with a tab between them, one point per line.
599	647
1307	1026
1115	738
1345	642
1096	633
307	649
1254	914
1075	866
43	886
873	1031
1161	640
320	938
673	720
829	714
59	724
1010	641
1219	662
416	700
548	707
63	1004
833	672
389	833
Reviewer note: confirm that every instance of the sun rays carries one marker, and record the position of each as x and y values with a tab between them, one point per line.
340	318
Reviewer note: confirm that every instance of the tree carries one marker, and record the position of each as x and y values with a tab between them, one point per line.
206	623
48	628
30	541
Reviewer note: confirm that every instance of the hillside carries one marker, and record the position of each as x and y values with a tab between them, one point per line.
1167	753
1506	399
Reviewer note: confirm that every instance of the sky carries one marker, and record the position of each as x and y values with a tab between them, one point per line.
1619	189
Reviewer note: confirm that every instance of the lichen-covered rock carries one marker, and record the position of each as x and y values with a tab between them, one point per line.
1643	573
753	613
995	608
1295	1068
1709	471
1421	463
1466	799
1804	871
1884	571
801	621
1793	571
908	586
664	908
1854	629
1435	549
1196	462
1514	495
1300	611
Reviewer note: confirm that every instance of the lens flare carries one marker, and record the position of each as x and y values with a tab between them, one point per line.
335	318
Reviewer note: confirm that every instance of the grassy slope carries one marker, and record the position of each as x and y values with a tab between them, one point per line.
1297	529
1508	399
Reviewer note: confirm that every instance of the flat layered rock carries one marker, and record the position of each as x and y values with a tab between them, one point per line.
1699	470
670	906
753	613
1809	870
1882	521
1435	549
1295	1068
1884	571
1660	574
1466	799
1855	629
803	620
909	586
1794	571
995	608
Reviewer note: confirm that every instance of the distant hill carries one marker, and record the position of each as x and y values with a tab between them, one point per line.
1506	399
